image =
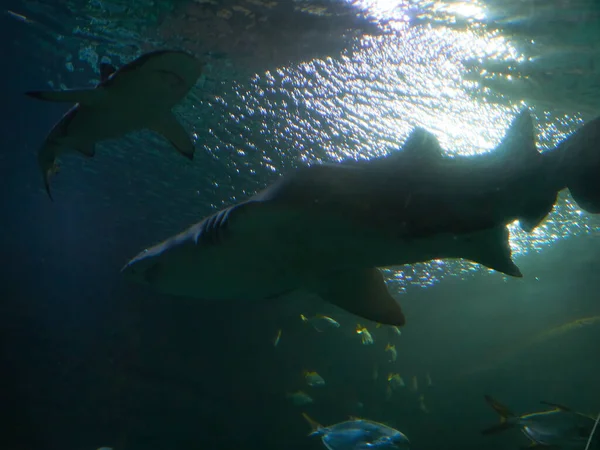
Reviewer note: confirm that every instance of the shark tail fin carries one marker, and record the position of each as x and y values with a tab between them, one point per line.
577	158
507	417
316	427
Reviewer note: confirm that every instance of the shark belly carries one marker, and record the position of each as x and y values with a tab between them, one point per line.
91	125
263	264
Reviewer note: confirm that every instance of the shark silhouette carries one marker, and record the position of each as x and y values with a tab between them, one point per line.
139	95
325	229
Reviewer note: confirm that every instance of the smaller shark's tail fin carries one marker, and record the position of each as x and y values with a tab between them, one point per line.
507	418
578	157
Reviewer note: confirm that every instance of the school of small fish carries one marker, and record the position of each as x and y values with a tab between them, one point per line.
395	383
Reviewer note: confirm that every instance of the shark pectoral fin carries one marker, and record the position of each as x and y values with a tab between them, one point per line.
491	248
82	96
170	128
362	292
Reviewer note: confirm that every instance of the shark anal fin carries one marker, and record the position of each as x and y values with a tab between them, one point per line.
557	406
83	96
491	248
106	70
170	128
362	292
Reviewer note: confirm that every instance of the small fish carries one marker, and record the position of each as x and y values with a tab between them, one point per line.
313	379
392	349
300	398
320	322
394	329
358	434
277	338
428	379
366	337
558	428
422	405
414	384
395	381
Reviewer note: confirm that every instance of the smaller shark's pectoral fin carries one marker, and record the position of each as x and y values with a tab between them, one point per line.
491	248
362	292
170	128
82	96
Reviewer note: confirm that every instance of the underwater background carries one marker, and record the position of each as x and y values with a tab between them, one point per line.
90	360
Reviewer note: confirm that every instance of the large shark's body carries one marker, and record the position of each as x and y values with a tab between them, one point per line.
327	228
139	95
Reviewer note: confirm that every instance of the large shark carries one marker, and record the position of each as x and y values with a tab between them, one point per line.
139	95
325	229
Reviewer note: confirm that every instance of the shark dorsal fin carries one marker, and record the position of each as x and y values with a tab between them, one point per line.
106	70
421	145
557	406
519	140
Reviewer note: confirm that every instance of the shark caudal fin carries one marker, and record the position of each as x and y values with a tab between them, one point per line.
578	157
507	417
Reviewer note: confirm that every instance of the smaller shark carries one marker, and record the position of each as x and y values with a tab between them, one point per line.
326	229
139	95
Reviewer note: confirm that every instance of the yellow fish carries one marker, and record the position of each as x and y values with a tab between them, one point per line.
313	379
320	322
395	381
366	337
